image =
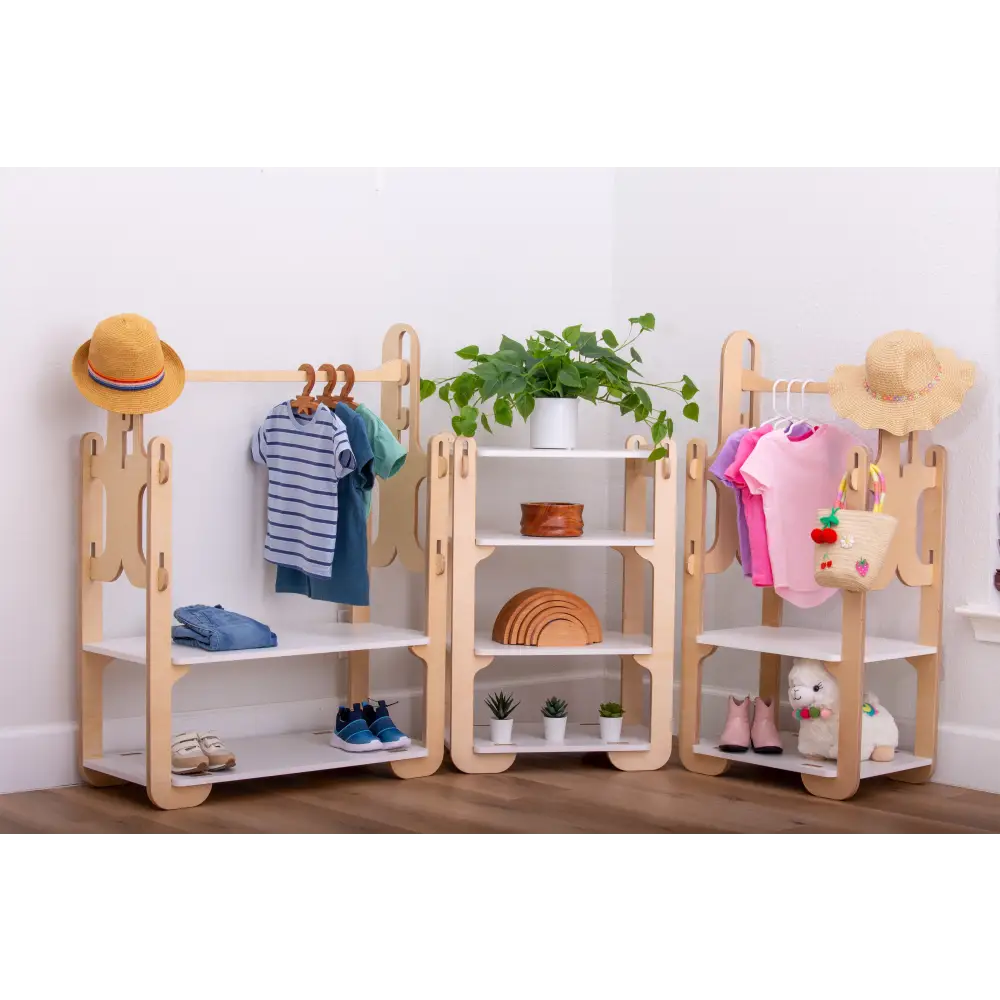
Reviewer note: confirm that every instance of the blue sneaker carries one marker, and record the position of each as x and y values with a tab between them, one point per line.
383	728
350	732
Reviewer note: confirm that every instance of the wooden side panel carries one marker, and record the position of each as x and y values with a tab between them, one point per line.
434	655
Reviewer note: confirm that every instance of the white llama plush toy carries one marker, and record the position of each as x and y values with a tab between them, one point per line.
815	700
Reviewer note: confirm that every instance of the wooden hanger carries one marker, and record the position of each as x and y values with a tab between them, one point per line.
345	393
331	383
304	403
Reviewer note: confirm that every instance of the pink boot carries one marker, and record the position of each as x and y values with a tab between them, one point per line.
764	735
735	736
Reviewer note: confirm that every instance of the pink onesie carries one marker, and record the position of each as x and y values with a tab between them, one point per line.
794	479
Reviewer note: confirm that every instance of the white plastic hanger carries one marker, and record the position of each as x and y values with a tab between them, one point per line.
802	419
774	403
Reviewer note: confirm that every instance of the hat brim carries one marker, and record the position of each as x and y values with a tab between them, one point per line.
133	401
851	399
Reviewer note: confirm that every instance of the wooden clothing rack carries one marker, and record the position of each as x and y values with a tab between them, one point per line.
136	481
916	558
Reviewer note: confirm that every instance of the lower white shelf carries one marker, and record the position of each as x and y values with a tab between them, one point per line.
580	738
614	644
260	757
811	643
792	760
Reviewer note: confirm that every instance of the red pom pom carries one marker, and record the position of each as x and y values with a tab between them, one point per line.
829	536
817	535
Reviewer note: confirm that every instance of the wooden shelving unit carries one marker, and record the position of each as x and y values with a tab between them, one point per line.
916	558
644	650
125	497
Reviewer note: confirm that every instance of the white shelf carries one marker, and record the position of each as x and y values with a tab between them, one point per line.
596	538
490	452
332	638
260	757
792	760
808	642
580	738
614	644
985	621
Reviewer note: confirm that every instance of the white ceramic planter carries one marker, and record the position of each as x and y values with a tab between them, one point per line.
552	423
555	729
501	730
611	729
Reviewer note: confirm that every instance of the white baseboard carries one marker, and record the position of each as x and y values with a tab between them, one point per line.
34	757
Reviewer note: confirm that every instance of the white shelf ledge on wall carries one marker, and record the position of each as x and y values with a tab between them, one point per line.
985	621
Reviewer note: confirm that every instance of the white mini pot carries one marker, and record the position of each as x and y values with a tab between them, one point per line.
552	423
501	730
555	729
611	729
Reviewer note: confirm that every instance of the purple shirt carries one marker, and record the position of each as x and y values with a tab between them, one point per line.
727	453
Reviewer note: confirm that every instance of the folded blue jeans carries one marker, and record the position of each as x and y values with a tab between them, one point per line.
219	630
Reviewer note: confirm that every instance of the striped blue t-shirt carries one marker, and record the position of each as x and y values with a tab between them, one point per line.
305	456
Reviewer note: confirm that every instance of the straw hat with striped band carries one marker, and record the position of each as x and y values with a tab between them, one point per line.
126	368
906	384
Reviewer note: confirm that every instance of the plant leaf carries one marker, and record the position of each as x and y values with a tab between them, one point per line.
609	338
659	431
572	333
644	399
657	453
444	393
502	412
688	389
647	321
568	375
525	404
426	389
485	423
636	356
670	427
469	353
691	411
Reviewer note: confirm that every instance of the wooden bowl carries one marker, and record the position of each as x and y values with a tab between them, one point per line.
552	520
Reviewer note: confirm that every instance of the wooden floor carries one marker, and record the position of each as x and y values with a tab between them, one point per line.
537	795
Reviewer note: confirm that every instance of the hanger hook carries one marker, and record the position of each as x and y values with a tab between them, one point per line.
774	394
345	392
788	395
331	384
802	395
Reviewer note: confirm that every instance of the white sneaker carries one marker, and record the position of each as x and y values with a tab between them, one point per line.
186	755
219	758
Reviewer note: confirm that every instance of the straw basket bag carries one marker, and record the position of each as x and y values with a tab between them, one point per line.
851	544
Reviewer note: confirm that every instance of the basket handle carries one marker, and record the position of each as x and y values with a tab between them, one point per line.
878	487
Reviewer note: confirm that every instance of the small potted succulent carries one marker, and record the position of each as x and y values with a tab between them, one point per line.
554	719
501	706
611	721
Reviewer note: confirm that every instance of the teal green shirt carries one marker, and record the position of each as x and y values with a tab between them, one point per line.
389	453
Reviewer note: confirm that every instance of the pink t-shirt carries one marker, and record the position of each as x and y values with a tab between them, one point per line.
794	479
753	508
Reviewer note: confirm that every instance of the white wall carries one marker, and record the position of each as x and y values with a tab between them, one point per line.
255	269
270	268
817	264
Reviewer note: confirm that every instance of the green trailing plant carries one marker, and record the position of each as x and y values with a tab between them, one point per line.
555	708
574	364
611	710
501	705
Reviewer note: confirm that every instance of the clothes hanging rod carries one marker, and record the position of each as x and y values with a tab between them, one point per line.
396	371
752	382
